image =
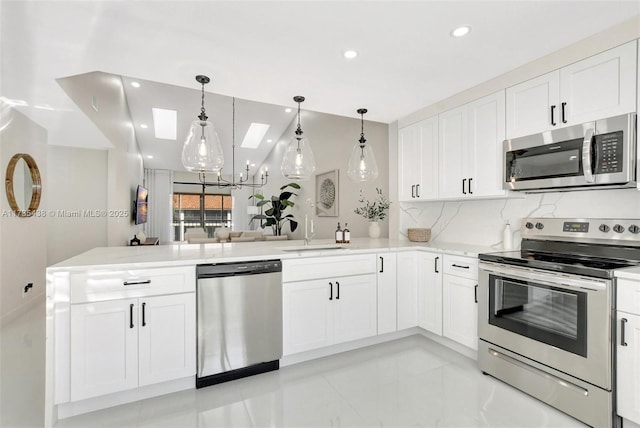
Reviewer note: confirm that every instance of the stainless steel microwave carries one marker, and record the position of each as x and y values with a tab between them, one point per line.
595	154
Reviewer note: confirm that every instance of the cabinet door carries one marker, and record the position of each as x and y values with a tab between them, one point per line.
387	313
453	136
460	310
407	289
428	161
600	86
484	154
354	308
430	292
104	348
529	105
167	338
306	315
409	154
628	369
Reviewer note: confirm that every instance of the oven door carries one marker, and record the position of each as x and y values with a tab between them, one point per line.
562	321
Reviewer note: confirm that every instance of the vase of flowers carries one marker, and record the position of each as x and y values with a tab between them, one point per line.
373	211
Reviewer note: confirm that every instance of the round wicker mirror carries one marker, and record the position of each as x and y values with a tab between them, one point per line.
23	185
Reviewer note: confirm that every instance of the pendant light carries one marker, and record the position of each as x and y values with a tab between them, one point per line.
202	150
298	163
362	163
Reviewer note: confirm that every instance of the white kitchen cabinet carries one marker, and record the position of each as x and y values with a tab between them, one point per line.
407	289
597	87
430	292
418	161
387	310
470	149
628	350
123	344
459	300
323	312
104	348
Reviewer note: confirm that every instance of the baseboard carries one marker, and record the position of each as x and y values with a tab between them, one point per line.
455	346
29	303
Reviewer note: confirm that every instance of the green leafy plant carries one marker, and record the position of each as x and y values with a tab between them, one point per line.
376	210
274	215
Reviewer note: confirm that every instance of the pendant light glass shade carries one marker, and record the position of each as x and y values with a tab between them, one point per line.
202	150
298	163
362	163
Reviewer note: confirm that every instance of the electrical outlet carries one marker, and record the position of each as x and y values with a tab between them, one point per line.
26	289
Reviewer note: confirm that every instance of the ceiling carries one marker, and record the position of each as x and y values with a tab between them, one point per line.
267	52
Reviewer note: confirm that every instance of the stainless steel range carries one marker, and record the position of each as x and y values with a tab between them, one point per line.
545	313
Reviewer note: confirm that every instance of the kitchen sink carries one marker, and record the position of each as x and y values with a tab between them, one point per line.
317	247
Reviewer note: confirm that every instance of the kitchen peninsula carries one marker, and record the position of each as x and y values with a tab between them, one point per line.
103	349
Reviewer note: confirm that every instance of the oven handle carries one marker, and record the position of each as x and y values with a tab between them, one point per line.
587	144
543	278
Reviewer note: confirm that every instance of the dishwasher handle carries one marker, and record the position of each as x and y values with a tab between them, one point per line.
218	270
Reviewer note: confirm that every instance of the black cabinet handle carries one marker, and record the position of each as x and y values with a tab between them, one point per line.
148	281
413	190
470	192
131	315
331	291
564	119
144	320
381	264
338	292
435	267
475	293
623	323
553	120
460	266
464	192
417	190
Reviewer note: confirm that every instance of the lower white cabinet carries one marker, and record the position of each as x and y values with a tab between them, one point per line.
459	300
407	289
122	344
430	292
387	299
628	350
323	312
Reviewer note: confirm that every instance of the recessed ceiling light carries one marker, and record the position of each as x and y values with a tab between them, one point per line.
287	110
135	84
350	54
254	135
461	31
149	156
165	123
269	140
144	126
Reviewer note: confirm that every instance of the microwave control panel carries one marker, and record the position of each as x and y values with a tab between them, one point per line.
609	152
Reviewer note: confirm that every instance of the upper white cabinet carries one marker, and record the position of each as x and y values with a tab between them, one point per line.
600	86
470	149
418	161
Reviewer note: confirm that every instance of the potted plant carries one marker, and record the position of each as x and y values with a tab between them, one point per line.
274	215
373	211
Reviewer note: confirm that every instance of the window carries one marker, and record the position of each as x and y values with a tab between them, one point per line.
206	212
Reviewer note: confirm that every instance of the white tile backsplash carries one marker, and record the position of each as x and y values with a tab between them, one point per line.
480	222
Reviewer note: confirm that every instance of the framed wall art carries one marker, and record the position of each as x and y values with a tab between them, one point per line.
327	194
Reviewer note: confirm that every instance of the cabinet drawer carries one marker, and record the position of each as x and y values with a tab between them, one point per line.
628	296
327	267
465	267
107	284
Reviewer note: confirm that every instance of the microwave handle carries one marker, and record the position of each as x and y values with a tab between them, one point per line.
587	167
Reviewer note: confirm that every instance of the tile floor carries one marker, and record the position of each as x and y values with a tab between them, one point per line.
410	382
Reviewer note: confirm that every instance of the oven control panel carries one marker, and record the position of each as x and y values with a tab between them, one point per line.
588	230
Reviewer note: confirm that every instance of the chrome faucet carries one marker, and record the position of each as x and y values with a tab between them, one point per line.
308	223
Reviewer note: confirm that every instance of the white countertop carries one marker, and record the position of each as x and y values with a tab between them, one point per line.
181	254
629	273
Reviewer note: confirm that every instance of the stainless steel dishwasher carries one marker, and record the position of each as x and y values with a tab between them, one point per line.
239	320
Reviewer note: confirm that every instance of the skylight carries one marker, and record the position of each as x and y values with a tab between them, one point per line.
254	135
164	123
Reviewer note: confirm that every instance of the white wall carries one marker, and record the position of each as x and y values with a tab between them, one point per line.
76	184
23	249
482	222
332	138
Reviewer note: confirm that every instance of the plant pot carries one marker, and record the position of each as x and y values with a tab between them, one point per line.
374	230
